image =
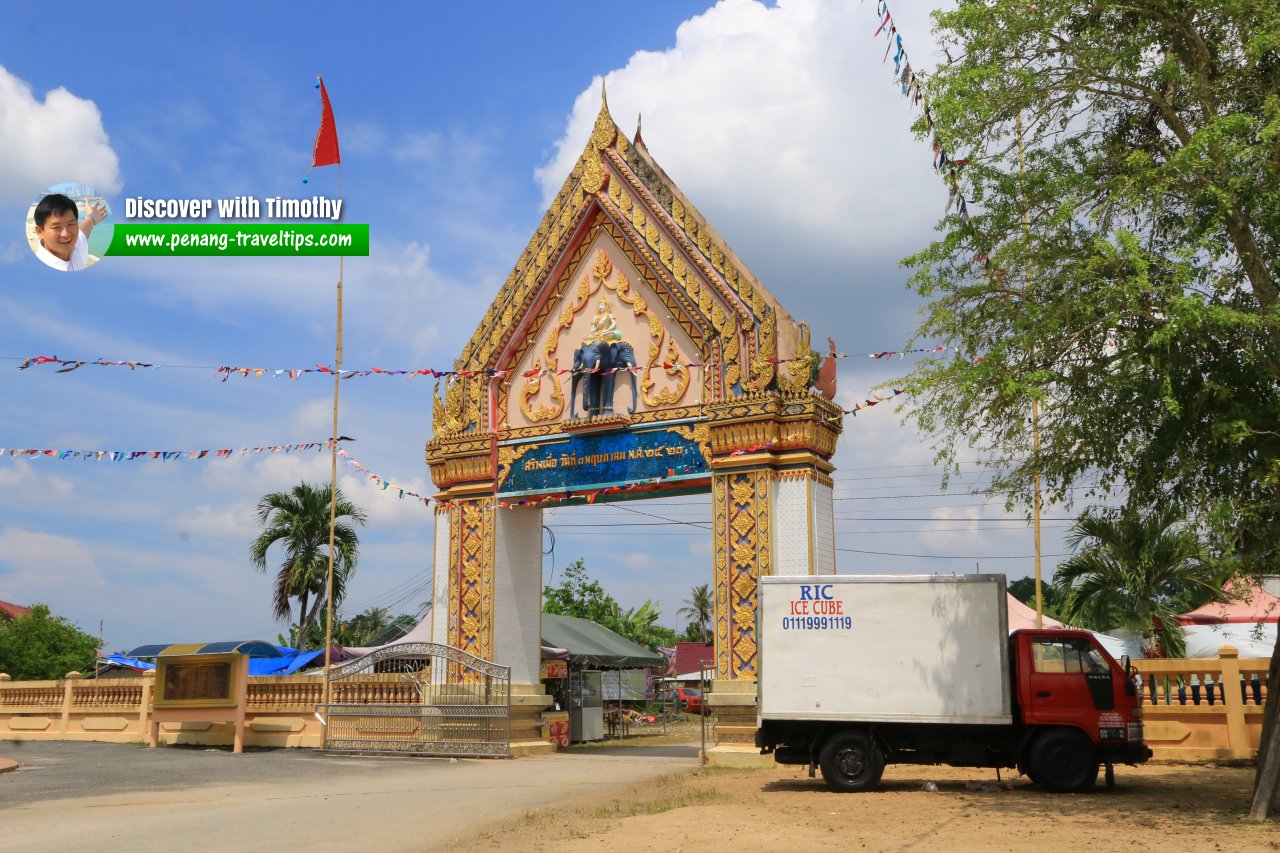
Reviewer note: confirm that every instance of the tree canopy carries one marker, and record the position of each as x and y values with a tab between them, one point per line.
40	646
1137	301
298	522
1110	256
1136	571
1024	589
578	595
699	610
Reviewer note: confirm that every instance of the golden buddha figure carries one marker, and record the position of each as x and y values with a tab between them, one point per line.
604	328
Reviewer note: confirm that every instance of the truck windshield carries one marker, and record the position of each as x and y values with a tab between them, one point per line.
1068	656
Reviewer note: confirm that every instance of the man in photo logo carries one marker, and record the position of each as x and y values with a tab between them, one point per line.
64	241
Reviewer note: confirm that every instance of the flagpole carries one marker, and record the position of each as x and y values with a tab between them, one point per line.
326	123
333	473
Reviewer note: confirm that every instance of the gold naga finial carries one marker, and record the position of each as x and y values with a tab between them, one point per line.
604	132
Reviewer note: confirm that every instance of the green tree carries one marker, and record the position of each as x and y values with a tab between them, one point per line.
698	609
298	521
1024	589
578	595
640	625
41	646
1136	571
1138	301
1125	279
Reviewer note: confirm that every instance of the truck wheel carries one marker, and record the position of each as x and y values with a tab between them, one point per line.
1064	760
850	761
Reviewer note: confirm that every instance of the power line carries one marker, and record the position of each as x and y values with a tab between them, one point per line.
946	557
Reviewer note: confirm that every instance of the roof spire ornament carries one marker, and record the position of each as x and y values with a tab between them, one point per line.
639	121
605	131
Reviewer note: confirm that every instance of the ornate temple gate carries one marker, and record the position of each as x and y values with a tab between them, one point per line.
625	284
419	699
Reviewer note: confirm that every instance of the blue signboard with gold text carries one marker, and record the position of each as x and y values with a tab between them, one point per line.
600	459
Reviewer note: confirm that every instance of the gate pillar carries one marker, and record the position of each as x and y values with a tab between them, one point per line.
488	583
772	514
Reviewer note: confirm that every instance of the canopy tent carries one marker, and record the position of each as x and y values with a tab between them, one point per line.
420	633
1247	622
1024	616
1254	605
595	645
1250	639
553	653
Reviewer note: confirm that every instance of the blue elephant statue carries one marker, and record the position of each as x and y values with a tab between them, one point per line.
591	363
624	356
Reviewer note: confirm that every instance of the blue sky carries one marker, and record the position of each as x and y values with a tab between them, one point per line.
456	122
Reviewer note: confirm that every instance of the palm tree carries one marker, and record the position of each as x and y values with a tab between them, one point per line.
699	609
299	521
1137	570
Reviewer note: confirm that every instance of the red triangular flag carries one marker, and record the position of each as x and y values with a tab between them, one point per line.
325	152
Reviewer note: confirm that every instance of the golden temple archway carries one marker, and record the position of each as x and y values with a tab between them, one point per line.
629	354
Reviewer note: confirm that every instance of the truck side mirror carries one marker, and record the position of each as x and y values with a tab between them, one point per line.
1130	688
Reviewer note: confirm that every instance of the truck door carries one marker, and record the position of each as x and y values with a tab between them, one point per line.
1069	681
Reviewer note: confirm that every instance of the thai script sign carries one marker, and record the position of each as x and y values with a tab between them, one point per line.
599	459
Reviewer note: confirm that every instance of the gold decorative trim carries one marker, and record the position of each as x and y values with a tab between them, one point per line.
699	433
532	386
741	526
796	375
471	579
508	455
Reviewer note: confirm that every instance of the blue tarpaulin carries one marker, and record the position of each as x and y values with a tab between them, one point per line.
264	659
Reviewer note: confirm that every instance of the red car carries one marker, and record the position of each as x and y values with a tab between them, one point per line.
685	698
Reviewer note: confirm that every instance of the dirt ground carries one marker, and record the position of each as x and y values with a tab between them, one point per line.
1161	807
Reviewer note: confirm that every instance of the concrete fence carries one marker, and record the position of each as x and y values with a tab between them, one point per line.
1195	709
1204	709
281	710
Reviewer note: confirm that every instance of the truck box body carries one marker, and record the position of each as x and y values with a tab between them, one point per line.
914	648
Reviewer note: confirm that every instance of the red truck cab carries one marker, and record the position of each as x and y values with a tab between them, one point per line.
1079	707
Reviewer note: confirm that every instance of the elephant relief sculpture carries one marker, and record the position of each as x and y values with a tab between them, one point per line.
602	352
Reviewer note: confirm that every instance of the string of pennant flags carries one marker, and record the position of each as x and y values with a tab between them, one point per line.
910	83
158	455
225	372
382	483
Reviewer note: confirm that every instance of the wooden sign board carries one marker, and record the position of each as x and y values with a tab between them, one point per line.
198	681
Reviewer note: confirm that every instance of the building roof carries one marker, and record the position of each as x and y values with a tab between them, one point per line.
253	648
13	611
689	656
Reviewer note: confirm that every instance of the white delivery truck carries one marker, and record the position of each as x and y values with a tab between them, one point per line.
857	672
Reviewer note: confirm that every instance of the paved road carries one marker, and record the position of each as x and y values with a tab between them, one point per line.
108	797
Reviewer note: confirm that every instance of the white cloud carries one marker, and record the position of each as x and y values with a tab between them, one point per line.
47	142
778	123
41	566
21	485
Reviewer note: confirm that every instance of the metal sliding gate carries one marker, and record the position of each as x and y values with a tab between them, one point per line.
419	699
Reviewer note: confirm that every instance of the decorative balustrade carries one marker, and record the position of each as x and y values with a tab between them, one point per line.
1200	709
108	694
31	694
